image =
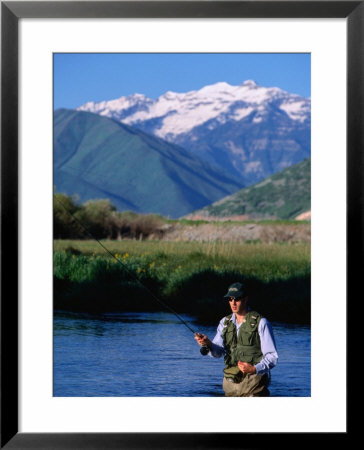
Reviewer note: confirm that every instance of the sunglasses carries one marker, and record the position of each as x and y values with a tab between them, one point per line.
236	299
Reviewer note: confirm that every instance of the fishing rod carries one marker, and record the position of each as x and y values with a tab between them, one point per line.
204	350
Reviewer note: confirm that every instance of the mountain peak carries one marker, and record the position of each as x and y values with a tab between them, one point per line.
250	83
136	95
170	95
221	114
221	86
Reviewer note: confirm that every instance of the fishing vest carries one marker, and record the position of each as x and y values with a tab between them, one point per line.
243	347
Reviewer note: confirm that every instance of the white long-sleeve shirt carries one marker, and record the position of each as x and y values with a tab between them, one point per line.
267	343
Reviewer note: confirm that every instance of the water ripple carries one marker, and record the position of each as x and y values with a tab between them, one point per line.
148	355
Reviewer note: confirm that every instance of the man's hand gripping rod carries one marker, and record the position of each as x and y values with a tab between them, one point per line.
204	349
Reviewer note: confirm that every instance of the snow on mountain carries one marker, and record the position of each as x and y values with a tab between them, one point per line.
179	113
250	130
296	110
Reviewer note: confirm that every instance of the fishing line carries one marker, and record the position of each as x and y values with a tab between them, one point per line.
124	266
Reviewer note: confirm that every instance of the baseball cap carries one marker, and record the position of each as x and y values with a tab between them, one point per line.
236	290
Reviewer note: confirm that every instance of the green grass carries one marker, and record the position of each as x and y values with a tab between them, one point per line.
191	277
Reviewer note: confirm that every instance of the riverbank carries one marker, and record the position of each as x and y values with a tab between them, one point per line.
190	277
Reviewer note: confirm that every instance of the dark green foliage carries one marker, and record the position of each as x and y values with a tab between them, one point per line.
92	285
98	215
100	284
99	219
279	300
64	226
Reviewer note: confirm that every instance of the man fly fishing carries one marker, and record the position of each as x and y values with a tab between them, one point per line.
246	340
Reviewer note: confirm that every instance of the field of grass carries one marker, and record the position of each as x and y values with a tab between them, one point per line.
190	277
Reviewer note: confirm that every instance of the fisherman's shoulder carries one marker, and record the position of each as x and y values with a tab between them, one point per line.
265	325
257	315
263	322
223	322
228	317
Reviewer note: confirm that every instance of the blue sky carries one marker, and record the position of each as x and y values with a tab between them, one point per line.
82	77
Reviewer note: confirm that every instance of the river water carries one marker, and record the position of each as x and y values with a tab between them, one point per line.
154	354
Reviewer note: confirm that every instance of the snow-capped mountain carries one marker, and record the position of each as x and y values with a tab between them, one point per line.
251	130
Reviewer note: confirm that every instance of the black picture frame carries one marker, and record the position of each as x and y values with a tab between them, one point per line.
11	12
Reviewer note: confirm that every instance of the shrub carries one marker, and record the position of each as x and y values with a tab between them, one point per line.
99	219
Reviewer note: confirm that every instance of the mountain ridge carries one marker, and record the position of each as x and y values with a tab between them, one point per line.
96	156
284	195
258	130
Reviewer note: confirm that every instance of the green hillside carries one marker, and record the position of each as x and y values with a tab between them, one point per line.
97	157
283	195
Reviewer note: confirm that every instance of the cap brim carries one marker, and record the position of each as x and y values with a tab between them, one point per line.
236	295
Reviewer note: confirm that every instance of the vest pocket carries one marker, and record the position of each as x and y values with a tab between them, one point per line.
229	337
247	359
246	338
244	355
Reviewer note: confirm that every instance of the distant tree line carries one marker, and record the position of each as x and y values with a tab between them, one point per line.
100	219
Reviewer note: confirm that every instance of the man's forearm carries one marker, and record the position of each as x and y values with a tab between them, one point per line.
216	351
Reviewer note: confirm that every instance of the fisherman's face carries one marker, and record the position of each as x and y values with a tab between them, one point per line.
237	305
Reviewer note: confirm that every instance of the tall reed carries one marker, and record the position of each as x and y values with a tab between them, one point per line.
192	277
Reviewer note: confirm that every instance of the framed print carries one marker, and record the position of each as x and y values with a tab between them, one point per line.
41	403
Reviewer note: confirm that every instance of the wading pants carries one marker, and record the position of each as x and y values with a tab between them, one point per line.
252	385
